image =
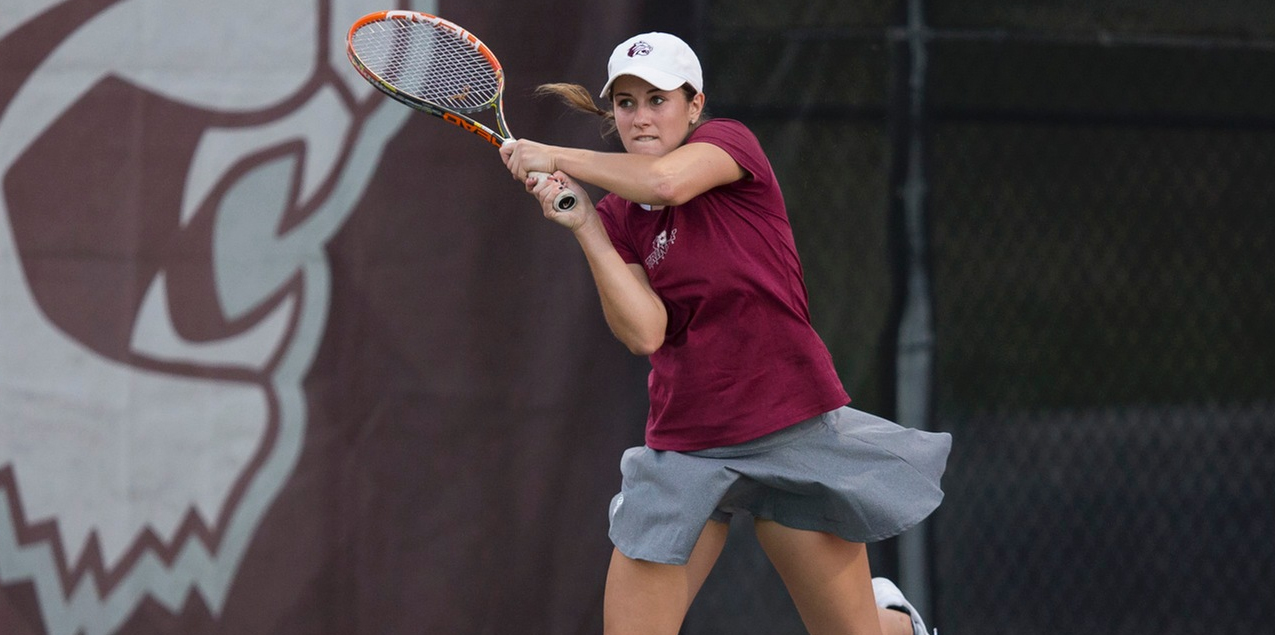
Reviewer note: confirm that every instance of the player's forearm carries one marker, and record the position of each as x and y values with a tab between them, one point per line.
633	312
633	177
670	179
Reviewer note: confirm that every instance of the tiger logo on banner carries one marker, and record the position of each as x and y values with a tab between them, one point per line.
170	172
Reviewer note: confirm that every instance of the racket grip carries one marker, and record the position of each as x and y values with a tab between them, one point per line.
565	201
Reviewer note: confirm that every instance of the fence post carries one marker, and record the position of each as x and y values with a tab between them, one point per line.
916	333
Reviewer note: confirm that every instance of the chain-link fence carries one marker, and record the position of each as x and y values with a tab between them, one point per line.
1100	211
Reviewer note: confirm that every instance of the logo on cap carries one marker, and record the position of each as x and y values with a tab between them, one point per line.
639	48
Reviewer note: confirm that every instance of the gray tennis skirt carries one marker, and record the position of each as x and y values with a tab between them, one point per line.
844	472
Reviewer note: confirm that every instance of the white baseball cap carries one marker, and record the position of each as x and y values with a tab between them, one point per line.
662	59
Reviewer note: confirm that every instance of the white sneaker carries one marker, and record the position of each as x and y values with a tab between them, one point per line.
890	597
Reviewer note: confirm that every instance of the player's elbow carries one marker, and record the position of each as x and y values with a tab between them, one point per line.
671	188
639	325
642	342
664	192
644	347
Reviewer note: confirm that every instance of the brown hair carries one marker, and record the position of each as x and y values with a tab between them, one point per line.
579	98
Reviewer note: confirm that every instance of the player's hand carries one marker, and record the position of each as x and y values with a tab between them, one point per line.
547	189
523	157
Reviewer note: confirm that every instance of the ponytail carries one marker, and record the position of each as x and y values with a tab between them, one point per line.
578	98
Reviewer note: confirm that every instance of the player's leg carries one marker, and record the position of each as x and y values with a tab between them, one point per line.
829	581
647	598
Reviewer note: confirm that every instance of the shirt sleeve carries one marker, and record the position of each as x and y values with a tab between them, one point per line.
738	141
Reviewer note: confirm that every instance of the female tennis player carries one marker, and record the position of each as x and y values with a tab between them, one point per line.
694	260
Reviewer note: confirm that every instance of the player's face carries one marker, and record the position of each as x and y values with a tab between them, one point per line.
649	120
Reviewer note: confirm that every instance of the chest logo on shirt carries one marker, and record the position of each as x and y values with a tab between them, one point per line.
660	247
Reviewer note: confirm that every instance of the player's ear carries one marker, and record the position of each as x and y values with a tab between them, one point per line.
696	107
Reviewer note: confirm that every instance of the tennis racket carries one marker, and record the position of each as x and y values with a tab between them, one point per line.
437	67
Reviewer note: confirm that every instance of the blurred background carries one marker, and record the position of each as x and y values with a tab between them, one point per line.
1064	211
279	356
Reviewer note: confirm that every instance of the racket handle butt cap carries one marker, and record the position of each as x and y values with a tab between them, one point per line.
565	201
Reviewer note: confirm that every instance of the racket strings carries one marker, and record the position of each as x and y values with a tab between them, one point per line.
429	63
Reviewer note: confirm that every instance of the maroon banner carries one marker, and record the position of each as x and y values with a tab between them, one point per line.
280	355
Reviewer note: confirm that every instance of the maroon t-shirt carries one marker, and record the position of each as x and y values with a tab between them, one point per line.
740	359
